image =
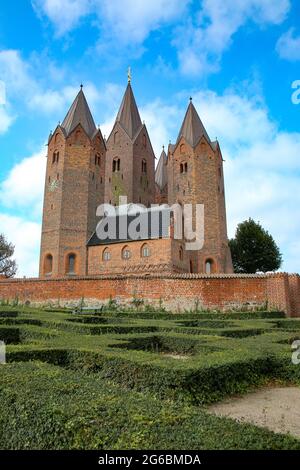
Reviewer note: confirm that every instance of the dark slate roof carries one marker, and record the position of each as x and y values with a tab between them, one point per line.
79	113
156	225
128	115
161	172
192	128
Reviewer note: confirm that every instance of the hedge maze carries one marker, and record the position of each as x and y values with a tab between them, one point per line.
138	379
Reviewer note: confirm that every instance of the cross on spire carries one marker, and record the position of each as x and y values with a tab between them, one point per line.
129	76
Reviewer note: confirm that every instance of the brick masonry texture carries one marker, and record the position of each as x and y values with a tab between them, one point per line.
177	292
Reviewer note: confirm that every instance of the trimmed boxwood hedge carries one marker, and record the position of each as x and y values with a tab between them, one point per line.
44	407
159	358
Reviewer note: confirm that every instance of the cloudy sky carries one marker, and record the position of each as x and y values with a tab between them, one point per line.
237	58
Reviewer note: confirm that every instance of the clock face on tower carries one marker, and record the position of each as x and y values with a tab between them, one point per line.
53	186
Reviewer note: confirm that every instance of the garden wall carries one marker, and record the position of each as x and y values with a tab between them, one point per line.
177	292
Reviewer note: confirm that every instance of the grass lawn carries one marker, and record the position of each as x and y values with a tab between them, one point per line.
138	380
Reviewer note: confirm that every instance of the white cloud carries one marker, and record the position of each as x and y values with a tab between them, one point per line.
202	40
5	118
26	238
130	21
23	188
65	15
133	20
288	46
161	121
20	83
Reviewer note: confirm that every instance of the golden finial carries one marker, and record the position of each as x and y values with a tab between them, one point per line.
129	74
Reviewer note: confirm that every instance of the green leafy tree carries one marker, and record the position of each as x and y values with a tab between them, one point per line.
8	267
254	249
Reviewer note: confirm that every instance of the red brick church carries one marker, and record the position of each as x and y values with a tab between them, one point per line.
84	170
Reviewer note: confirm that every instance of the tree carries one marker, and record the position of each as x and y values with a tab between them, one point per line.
254	249
8	267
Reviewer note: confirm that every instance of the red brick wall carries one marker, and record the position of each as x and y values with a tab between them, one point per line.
294	291
178	292
159	260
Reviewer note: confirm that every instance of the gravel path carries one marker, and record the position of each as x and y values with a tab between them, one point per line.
277	409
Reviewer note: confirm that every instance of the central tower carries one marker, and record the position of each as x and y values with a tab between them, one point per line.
130	158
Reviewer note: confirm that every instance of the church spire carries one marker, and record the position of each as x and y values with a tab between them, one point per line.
192	128
161	172
128	115
79	113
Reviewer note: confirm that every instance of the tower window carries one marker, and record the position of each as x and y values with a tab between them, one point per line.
145	252
144	141
97	160
181	253
208	266
183	167
116	165
126	253
144	166
48	265
71	263
55	157
106	255
116	138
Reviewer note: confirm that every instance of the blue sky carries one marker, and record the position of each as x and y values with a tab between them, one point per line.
238	59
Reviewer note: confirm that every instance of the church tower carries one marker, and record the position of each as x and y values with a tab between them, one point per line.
195	175
74	187
130	158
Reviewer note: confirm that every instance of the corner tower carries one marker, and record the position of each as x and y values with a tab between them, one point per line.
195	175
130	158
74	187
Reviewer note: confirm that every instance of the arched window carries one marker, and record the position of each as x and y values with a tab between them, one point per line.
126	253
209	266
106	255
191	266
144	166
182	148
71	263
144	141
97	159
48	265
145	251
116	165
116	138
183	167
57	138
77	136
181	253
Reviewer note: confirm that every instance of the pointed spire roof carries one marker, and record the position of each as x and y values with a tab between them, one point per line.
128	115
161	172
192	128
79	113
